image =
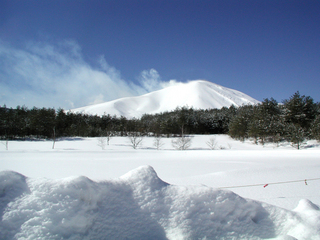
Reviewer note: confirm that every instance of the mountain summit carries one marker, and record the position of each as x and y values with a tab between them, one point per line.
198	94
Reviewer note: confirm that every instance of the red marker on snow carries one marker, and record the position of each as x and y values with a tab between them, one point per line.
265	185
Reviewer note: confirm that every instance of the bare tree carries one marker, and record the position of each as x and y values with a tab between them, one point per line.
104	138
135	139
102	142
54	137
182	143
157	142
6	143
212	143
109	135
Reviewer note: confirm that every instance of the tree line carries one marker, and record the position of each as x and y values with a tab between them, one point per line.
294	120
22	122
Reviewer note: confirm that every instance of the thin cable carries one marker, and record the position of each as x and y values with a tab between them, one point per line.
265	185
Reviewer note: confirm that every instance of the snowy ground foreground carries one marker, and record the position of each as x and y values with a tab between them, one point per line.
121	196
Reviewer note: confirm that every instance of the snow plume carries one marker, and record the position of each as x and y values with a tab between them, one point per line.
151	81
56	75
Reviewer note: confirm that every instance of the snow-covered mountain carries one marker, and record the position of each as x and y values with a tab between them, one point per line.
198	94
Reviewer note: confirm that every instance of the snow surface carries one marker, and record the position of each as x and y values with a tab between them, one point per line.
198	94
79	191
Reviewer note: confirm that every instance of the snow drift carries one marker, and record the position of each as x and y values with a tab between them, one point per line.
198	94
139	205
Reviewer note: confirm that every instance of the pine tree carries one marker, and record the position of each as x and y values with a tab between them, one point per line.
239	125
265	121
300	110
296	135
315	128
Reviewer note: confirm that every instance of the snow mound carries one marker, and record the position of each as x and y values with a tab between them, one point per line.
12	185
144	176
139	205
198	94
306	205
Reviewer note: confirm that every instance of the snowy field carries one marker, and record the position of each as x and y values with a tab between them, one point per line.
237	191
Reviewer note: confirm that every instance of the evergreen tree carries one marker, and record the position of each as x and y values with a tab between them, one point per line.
239	125
315	128
295	134
61	123
300	110
266	121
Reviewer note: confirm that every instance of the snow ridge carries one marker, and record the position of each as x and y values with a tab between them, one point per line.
198	94
140	205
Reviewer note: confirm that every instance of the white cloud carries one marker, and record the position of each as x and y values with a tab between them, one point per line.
150	80
170	83
57	76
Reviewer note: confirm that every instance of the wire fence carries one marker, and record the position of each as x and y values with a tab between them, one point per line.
273	183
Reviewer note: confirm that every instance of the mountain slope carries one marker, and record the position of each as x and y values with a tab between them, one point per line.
198	94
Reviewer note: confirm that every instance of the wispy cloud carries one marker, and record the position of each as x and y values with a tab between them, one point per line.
150	80
56	75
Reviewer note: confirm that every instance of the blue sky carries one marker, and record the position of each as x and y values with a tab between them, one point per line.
68	54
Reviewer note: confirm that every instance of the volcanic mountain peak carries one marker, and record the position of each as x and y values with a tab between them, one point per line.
199	94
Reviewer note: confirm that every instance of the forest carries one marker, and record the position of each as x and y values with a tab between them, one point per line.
295	120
